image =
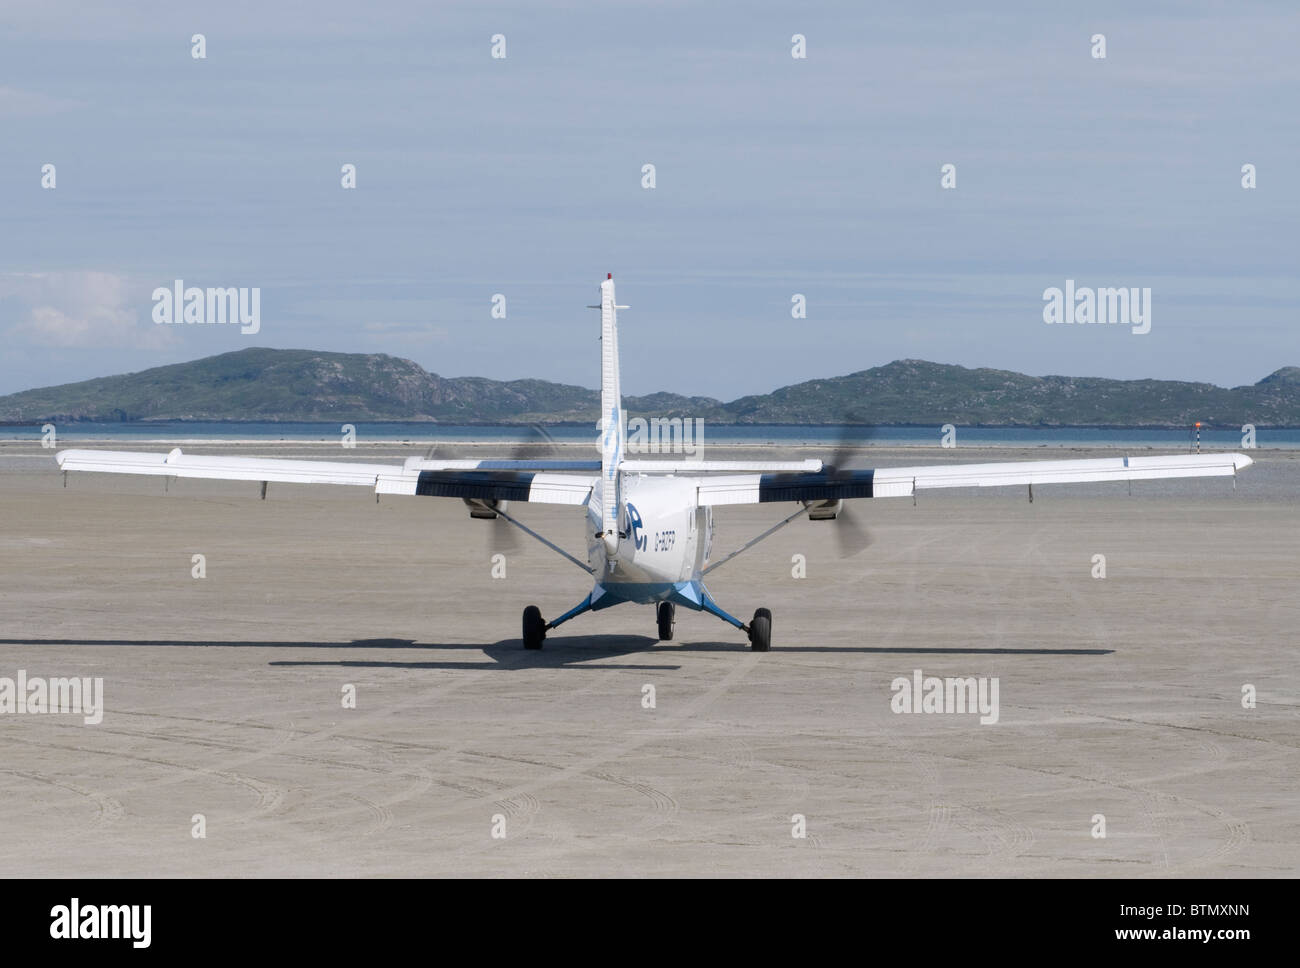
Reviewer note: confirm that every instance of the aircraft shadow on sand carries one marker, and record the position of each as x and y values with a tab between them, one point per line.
569	652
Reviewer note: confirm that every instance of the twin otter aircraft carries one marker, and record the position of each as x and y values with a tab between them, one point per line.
649	522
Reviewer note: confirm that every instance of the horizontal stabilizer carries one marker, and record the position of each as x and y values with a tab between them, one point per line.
421	464
718	466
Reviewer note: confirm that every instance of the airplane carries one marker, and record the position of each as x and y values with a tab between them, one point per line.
649	523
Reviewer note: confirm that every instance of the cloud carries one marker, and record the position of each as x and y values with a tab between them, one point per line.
78	309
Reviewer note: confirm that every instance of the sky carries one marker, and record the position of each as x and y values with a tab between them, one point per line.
522	176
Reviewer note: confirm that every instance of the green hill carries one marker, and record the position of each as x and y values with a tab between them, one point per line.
303	385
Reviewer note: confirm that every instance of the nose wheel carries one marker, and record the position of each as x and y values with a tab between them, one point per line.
760	631
666	613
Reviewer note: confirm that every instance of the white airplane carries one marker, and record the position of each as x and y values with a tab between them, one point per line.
649	522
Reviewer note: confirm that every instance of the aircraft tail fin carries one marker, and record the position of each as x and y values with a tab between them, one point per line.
613	429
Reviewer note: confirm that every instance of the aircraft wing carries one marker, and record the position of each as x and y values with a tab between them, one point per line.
534	481
831	485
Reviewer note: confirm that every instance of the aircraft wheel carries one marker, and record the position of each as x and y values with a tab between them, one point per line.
666	614
760	631
534	627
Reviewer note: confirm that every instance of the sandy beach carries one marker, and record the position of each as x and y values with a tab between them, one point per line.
223	695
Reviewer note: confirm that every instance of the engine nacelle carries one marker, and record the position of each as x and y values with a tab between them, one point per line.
823	510
484	509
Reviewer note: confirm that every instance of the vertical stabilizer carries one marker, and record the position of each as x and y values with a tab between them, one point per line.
613	435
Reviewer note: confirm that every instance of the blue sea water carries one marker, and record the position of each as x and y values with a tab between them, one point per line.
757	434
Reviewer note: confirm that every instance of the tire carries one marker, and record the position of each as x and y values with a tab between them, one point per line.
666	613
760	631
534	627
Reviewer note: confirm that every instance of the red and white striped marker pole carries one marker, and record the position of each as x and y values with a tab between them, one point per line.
1198	436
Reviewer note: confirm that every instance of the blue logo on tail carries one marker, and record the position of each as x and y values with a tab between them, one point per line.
639	541
613	429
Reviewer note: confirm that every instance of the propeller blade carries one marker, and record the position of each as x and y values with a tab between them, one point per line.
535	443
503	537
851	536
855	434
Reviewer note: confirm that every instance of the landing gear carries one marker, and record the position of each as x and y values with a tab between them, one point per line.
760	631
666	613
534	627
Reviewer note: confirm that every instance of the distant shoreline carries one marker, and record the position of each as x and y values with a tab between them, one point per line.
585	424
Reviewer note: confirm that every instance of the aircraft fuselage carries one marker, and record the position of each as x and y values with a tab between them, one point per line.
665	539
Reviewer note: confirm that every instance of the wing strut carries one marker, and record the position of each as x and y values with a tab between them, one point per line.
554	547
745	547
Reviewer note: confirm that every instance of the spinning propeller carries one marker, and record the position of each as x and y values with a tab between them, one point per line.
850	535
